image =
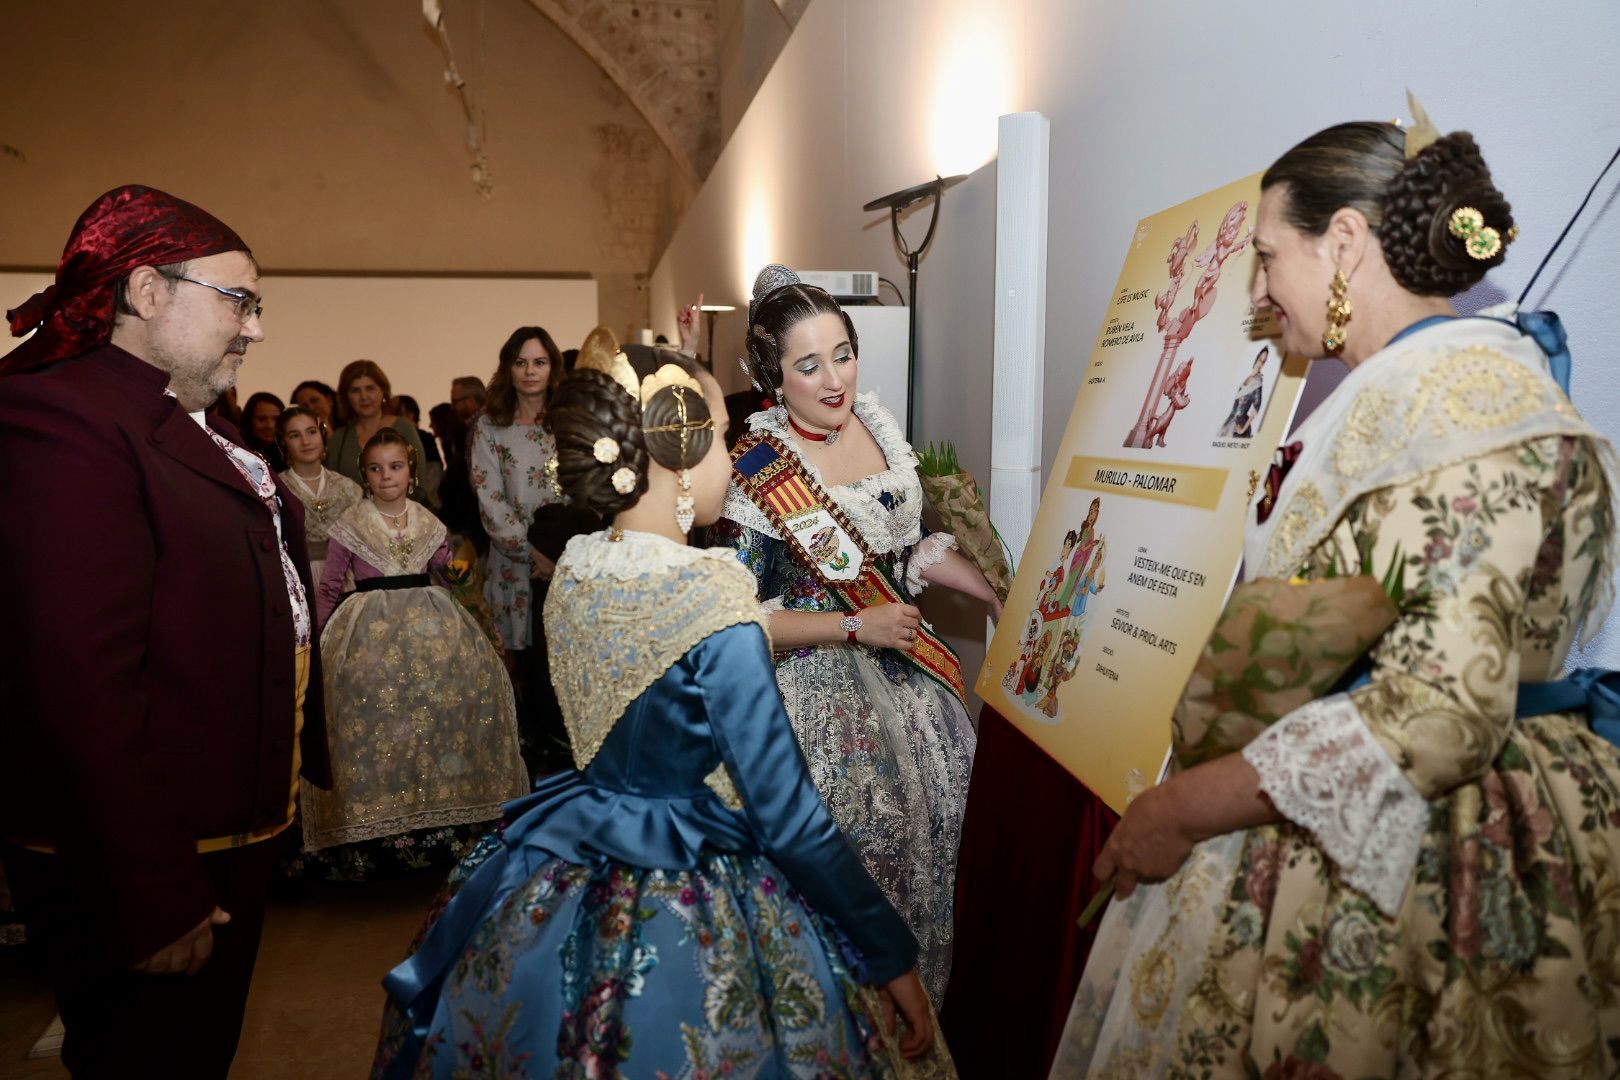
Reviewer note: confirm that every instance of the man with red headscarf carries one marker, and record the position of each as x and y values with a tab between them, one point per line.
163	694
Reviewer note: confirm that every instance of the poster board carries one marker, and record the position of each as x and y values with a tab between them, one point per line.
1140	530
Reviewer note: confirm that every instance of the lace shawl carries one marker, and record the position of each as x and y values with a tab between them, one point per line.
363	531
621	613
1454	391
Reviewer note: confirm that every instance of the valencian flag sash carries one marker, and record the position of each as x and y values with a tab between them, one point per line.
822	540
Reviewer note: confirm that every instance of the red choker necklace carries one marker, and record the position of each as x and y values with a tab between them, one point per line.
814	436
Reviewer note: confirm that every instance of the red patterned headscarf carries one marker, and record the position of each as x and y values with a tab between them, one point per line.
126	228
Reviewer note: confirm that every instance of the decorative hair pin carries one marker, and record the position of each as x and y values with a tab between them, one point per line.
1480	240
605	450
1422	134
624	479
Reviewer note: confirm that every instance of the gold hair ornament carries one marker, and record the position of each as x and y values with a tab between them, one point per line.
624	480
1479	239
605	450
685	505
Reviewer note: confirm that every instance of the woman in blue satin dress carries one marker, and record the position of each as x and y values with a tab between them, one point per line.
682	905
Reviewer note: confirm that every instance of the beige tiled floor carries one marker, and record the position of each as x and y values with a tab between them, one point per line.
316	1001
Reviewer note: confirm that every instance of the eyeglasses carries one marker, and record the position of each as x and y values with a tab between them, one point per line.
246	304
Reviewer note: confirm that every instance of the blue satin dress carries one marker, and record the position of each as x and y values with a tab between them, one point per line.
623	921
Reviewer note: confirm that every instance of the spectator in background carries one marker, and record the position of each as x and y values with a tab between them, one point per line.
319	399
362	391
458	503
431	470
509	449
259	428
467	396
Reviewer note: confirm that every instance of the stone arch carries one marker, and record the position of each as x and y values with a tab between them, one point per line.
664	55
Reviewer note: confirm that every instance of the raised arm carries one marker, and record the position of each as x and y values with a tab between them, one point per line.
734	671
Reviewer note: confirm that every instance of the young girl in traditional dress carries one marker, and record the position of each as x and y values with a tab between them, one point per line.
419	709
325	494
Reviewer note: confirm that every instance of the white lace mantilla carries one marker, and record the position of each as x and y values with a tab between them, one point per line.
1326	772
885	531
595	555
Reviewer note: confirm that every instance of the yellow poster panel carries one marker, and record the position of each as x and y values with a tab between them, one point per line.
1140	529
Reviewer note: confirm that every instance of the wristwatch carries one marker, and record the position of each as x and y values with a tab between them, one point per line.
849	624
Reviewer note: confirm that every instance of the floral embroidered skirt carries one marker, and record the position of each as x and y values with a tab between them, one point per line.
562	969
420	719
1504	960
891	752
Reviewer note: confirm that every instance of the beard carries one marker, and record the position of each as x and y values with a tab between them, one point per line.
199	382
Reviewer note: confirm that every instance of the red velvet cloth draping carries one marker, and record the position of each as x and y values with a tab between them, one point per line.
1023	877
128	227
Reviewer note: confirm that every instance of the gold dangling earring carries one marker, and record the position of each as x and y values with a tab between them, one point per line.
685	506
1339	309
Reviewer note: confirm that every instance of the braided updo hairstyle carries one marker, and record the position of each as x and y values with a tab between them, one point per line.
780	303
1408	204
588	406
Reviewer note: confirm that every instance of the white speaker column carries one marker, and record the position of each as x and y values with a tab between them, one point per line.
1020	337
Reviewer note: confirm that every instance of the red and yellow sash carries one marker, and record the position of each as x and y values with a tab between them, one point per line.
822	540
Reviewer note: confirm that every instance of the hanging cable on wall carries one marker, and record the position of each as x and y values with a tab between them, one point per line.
483	181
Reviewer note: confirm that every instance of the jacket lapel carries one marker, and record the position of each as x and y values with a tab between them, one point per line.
179	436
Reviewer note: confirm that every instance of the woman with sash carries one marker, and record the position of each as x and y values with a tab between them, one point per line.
1418	875
682	905
825	508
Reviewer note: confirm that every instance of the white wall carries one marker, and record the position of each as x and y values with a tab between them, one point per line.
1150	103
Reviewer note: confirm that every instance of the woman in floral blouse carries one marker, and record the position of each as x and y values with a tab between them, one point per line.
1418	875
509	447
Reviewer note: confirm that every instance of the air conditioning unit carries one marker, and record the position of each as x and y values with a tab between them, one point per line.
844	284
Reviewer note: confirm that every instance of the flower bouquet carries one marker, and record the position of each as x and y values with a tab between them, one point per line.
466	584
1279	645
955	497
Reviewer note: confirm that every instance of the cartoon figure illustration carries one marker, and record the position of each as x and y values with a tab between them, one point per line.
1030	685
1245	415
1064	662
1086	544
1176	391
1026	647
1047	602
1229	240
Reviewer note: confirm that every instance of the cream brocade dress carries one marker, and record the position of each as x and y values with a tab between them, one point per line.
1445	899
420	714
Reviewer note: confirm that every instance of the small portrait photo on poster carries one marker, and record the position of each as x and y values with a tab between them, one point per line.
1250	397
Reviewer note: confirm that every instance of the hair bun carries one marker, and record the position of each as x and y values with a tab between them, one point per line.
1423	254
773	277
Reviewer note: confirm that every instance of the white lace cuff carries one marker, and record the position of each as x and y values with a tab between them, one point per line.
1326	772
771	606
927	554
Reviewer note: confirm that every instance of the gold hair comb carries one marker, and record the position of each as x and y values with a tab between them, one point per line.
601	352
1422	134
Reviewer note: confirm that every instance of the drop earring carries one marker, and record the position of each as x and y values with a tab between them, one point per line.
1339	309
685	506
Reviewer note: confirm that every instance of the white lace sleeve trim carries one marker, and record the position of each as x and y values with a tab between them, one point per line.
772	606
744	511
928	553
1326	772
